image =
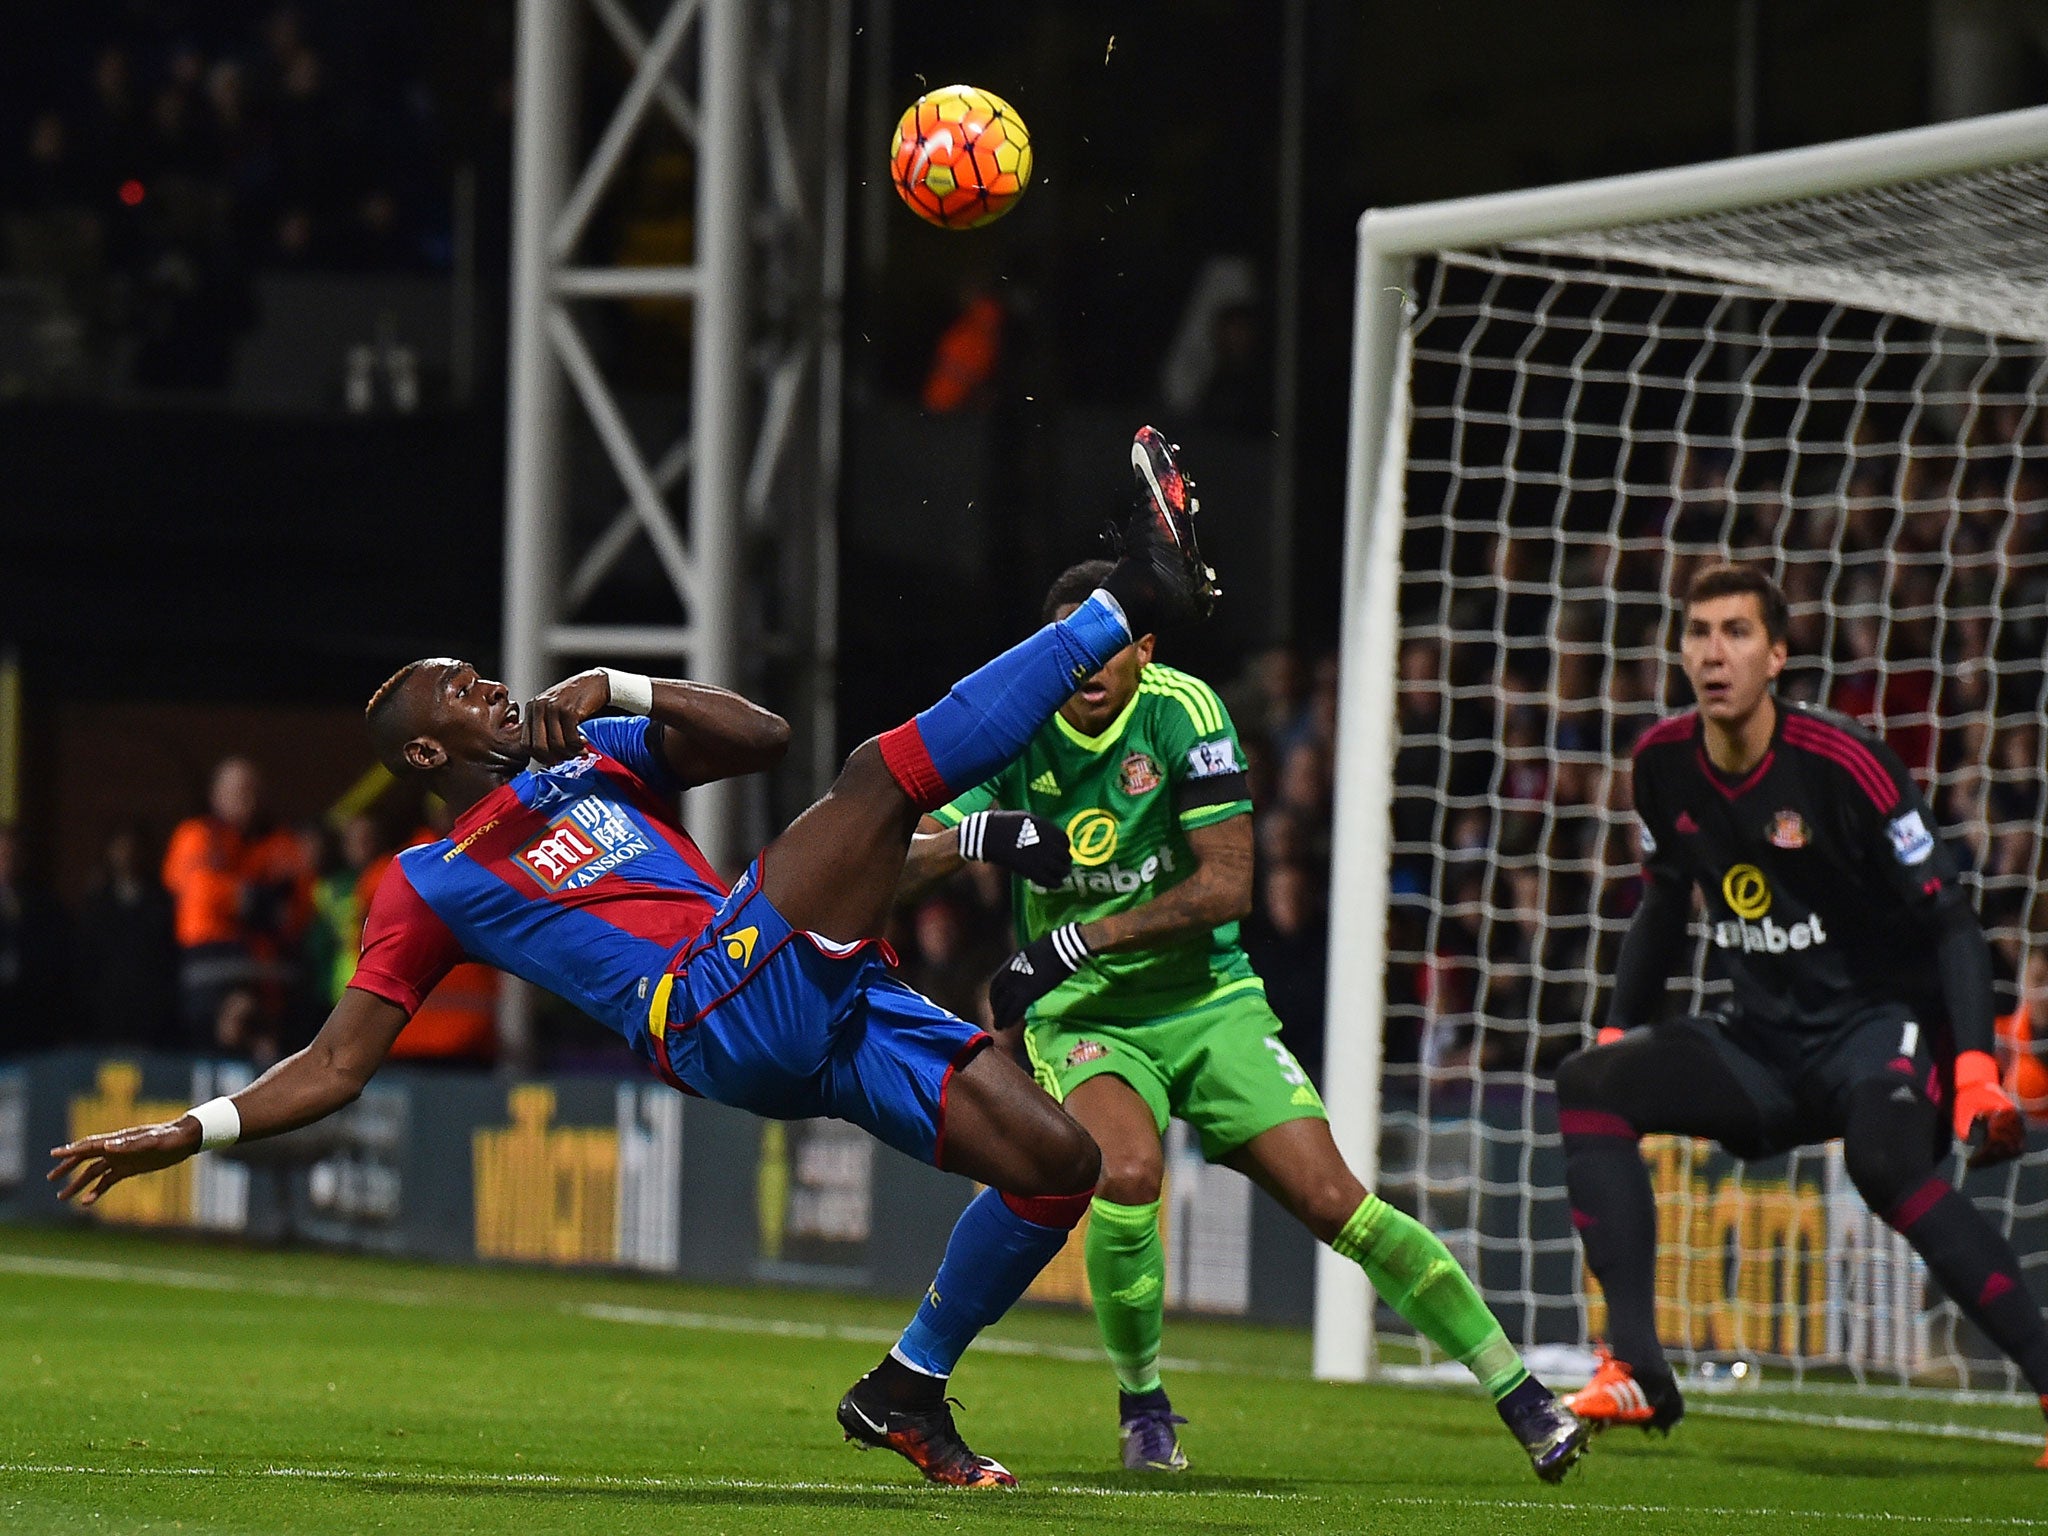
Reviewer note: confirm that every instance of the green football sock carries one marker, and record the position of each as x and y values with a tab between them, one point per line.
1127	1274
1409	1265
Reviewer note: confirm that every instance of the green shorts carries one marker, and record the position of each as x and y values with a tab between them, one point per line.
1219	1066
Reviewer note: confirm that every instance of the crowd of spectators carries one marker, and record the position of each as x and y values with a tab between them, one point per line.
173	150
234	943
1533	656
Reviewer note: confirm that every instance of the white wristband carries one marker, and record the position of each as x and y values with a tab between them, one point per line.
220	1124
632	692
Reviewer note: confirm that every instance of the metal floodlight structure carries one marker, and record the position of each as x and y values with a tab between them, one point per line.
736	512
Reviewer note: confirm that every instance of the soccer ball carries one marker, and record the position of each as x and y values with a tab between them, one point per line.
961	157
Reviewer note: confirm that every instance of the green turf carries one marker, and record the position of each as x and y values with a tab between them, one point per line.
158	1386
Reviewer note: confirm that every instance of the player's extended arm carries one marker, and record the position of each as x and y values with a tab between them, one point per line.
1026	845
707	733
934	856
1218	891
1649	952
1985	1116
308	1086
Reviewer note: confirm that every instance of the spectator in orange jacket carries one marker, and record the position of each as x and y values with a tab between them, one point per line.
2026	1074
241	893
458	1023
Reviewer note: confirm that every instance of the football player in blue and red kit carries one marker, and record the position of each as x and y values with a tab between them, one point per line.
567	866
1860	1004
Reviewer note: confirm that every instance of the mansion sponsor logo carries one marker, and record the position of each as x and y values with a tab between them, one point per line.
587	843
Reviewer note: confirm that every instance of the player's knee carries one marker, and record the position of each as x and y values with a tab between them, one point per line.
865	771
1131	1175
1887	1144
1068	1161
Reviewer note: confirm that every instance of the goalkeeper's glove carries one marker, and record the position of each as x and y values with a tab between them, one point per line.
1020	842
1034	971
1985	1117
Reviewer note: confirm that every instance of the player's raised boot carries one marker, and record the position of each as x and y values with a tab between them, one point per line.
1616	1396
924	1436
1161	576
1146	1432
1554	1437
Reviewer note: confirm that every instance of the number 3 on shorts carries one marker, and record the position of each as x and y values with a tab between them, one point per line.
1290	1069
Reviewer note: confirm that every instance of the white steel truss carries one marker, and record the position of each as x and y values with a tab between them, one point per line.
736	512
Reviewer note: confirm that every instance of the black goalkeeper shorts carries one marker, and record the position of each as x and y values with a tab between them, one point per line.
1796	1087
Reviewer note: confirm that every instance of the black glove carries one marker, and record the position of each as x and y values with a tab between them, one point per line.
1034	971
1020	842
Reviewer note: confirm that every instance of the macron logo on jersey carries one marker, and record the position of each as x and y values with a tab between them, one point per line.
584	845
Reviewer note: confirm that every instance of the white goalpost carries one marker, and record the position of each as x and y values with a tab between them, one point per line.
1831	362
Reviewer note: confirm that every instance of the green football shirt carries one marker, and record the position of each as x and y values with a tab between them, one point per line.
1168	764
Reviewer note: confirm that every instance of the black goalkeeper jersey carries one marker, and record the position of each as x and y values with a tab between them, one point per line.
1827	889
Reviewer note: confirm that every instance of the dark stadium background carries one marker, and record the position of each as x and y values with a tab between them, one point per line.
182	576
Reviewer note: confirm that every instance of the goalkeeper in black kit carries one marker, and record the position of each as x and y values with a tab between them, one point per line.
1861	1002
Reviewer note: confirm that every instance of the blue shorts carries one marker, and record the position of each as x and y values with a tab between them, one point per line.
781	1022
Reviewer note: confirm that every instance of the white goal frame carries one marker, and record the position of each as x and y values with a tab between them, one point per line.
1389	242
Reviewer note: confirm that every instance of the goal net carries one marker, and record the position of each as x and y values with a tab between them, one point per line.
1830	364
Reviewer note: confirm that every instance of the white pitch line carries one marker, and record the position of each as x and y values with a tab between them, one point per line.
575	1480
571	1481
1877	1426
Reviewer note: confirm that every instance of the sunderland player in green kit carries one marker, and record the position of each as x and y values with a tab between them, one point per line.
1138	1004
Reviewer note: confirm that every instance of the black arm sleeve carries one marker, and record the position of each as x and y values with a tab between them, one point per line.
1648	952
1962	956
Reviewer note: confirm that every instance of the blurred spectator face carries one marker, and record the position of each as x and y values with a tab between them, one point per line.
1420	660
237	793
224	90
1292	898
1729	658
123	856
2034	985
1282	838
302	75
46	139
1305	780
110	78
360	842
1103	697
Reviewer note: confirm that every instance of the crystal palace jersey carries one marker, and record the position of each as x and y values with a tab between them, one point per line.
1823	877
577	877
1168	764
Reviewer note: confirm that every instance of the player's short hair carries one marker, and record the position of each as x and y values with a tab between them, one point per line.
1073	585
1730	580
390	728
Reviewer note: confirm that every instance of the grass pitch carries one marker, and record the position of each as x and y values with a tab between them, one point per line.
157	1386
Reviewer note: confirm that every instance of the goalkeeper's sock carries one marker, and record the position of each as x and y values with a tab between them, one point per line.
1409	1265
1615	1212
990	715
1127	1277
998	1246
1978	1269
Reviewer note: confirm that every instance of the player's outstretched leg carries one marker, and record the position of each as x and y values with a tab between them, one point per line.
1299	1165
834	870
1893	1137
1006	1132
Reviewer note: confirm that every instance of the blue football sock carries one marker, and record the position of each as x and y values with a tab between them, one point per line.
991	1259
991	714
